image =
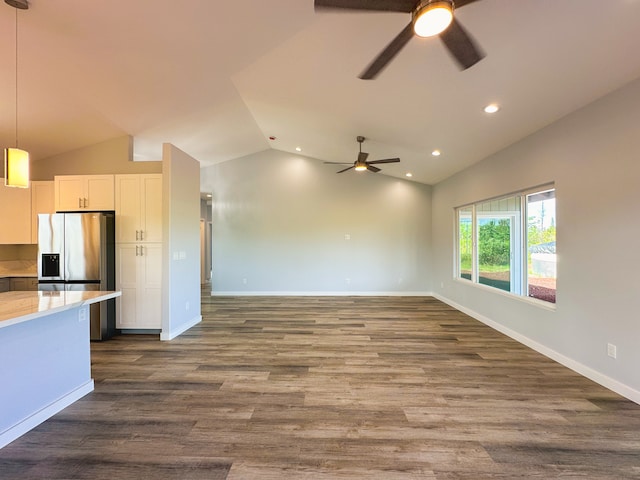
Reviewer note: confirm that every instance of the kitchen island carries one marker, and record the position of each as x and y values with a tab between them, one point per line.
45	358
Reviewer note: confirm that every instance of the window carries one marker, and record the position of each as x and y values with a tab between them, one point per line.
509	243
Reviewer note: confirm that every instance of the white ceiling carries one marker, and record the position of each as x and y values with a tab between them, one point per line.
217	78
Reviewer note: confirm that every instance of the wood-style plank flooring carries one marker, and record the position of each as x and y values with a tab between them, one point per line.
331	388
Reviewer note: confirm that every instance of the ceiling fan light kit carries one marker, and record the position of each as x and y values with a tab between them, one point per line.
432	18
428	18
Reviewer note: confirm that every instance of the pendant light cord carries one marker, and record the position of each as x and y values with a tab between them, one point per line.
16	78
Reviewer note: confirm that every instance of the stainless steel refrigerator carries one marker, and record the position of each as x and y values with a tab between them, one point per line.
76	251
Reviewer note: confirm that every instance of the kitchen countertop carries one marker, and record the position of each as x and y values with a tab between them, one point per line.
18	307
18	268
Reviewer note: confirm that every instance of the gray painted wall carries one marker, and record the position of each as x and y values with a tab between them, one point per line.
280	220
181	242
592	155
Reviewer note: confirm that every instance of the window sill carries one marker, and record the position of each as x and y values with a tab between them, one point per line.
530	300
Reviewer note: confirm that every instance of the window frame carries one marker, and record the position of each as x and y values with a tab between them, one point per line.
519	223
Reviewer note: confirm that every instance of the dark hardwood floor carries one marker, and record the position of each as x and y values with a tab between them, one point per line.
332	388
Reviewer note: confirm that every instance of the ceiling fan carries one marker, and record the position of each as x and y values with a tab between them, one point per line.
428	18
361	163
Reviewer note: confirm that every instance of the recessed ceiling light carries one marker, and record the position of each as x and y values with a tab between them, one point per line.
408	174
298	149
436	153
491	108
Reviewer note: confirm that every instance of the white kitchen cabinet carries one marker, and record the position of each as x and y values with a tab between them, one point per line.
75	193
42	201
139	278
15	215
138	203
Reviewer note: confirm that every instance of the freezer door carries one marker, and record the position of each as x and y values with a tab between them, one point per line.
50	246
82	246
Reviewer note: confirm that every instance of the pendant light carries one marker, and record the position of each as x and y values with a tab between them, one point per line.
16	161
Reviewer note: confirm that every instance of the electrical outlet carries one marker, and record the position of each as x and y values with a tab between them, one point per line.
186	306
347	236
347	281
612	350
244	281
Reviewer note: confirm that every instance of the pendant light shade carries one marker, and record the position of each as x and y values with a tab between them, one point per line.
16	161
16	168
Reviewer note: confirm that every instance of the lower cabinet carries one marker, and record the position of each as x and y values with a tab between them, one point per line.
139	277
24	284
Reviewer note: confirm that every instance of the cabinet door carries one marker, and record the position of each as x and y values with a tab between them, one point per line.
127	283
15	215
150	291
23	284
42	201
69	193
151	207
127	192
99	192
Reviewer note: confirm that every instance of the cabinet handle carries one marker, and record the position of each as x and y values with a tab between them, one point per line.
141	234
141	250
137	247
85	203
79	202
137	235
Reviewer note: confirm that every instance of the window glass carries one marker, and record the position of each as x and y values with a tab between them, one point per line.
541	245
509	243
465	242
497	221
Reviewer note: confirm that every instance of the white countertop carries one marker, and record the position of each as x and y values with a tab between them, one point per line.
18	307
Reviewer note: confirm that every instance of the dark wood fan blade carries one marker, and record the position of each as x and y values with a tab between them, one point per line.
388	53
348	168
372	168
338	163
385	160
362	157
374	5
462	3
461	45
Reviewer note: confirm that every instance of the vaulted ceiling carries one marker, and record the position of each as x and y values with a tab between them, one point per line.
218	78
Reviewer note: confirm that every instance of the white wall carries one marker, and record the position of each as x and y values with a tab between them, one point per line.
181	242
593	157
280	220
108	157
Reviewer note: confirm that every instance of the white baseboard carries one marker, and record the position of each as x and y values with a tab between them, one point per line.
598	377
47	412
164	336
319	294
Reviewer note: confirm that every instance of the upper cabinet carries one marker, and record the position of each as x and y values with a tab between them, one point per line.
138	205
84	192
15	215
42	201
